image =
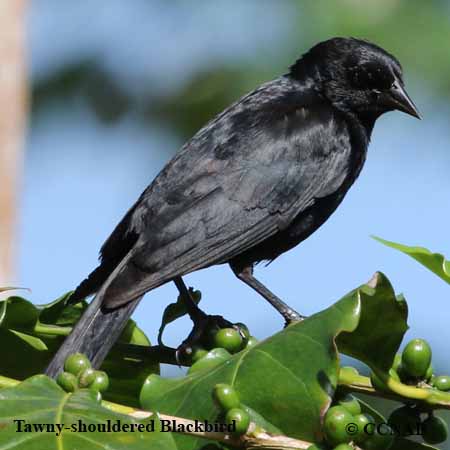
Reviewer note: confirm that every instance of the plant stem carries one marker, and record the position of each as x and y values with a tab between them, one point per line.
158	353
400	392
53	330
259	439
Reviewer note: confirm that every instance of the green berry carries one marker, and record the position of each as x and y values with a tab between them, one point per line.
212	359
382	439
229	339
442	382
335	425
243	329
404	376
100	383
435	430
226	397
67	380
416	358
350	404
86	377
76	363
252	341
429	374
240	418
198	353
405	421
362	421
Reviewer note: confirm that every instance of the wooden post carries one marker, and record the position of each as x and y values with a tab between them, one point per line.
13	110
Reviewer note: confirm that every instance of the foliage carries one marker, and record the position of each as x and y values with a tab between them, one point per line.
36	332
432	261
285	384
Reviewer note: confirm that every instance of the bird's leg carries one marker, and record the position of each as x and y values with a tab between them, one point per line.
246	275
195	313
203	323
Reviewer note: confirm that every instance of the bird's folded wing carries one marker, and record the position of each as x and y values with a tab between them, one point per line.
215	201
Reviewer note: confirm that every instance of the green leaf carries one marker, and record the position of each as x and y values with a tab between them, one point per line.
176	310
366	408
18	313
293	374
39	400
59	313
35	332
432	261
382	325
288	378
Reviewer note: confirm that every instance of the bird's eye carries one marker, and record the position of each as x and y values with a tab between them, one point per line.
370	77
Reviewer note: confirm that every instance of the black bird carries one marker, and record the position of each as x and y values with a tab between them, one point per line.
253	183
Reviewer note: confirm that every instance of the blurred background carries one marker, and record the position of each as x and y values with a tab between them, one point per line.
117	87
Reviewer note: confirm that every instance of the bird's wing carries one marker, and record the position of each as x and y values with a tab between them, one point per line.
239	181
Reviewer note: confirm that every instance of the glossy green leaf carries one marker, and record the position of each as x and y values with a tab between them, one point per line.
292	374
59	313
382	325
35	332
287	378
41	404
18	313
366	408
432	261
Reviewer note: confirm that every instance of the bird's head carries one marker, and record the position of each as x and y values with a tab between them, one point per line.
356	76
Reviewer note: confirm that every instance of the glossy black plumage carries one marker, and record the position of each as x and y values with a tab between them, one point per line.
242	180
259	178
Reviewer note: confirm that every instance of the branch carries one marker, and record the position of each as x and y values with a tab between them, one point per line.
157	353
400	392
255	438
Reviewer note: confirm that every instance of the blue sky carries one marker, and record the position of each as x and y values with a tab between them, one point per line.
81	175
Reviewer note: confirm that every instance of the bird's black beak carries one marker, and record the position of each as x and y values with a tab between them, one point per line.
401	101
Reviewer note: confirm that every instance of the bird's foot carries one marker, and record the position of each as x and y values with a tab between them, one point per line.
291	316
202	336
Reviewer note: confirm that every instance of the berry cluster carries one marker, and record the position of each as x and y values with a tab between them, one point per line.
408	420
220	344
78	374
227	399
346	425
413	367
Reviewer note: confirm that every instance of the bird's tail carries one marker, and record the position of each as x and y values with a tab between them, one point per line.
94	334
98	328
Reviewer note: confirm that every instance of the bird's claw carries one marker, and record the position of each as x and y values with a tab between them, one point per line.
200	335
